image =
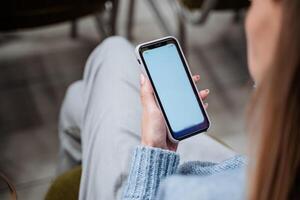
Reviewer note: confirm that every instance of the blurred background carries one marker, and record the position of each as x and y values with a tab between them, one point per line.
44	46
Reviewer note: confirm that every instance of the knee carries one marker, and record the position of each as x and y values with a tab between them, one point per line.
110	47
112	54
115	41
111	44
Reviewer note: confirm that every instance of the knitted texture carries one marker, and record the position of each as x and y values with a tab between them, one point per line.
194	180
208	168
149	167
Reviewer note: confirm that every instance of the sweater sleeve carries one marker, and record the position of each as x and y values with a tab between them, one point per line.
149	166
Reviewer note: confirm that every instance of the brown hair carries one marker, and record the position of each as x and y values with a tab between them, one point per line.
275	117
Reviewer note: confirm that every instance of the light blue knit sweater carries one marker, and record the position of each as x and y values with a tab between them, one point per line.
155	174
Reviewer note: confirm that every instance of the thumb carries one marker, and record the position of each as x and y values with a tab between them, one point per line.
147	95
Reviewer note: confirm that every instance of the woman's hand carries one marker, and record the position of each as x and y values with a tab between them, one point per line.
154	130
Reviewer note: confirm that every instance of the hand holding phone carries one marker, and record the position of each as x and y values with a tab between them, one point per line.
175	92
154	131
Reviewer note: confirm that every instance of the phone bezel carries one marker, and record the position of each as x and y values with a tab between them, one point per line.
161	42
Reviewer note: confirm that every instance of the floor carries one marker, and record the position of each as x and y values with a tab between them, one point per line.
36	67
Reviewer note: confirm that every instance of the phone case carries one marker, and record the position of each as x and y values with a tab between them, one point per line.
139	59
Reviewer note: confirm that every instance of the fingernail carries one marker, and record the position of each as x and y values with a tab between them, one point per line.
207	91
142	79
198	77
206	105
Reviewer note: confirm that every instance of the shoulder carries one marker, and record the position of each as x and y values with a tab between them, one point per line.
228	183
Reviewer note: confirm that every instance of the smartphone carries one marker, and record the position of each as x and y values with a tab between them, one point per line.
176	94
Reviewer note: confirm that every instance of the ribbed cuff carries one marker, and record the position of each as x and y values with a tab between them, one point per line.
149	166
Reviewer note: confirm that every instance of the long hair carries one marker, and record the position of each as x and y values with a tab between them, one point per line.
275	118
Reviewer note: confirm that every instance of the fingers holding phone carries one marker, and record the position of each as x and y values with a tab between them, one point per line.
173	91
203	94
154	130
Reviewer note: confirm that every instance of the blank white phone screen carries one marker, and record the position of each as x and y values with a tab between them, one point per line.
173	88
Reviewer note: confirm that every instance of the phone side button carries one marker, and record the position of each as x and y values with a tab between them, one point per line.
139	61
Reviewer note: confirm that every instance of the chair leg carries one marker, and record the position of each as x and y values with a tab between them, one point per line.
107	26
182	33
130	19
73	30
100	26
164	25
113	17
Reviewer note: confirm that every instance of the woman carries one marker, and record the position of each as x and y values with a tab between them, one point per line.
100	123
